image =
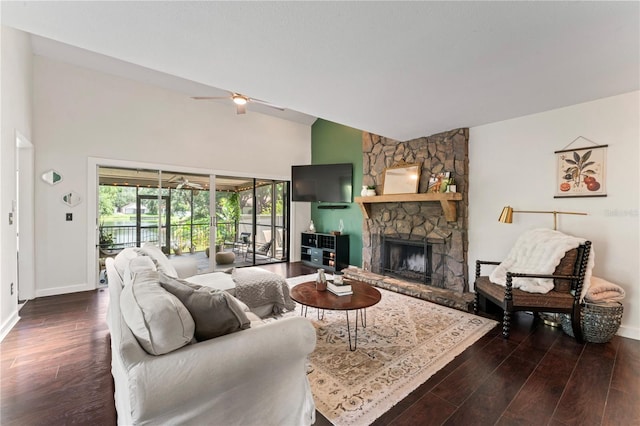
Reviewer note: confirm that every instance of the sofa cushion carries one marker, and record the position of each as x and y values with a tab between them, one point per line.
216	280
122	259
161	260
137	264
215	312
158	320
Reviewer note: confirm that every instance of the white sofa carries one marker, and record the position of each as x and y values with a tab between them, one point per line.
255	376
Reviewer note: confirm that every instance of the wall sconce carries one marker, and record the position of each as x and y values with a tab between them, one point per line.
507	215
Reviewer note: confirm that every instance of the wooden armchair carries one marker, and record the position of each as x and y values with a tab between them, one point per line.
564	298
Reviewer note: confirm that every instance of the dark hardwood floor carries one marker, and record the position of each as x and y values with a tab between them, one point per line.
55	369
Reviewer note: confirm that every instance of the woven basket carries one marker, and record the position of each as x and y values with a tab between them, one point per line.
599	322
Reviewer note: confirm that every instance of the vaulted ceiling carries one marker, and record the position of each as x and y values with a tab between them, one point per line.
398	69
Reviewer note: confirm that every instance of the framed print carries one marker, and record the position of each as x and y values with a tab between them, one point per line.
438	182
581	172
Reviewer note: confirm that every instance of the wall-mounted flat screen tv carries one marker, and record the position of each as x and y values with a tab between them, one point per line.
325	183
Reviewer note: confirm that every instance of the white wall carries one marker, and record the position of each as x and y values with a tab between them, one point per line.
80	113
512	163
15	116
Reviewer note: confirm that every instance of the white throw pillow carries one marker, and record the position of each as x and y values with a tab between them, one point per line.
162	261
138	264
157	319
122	259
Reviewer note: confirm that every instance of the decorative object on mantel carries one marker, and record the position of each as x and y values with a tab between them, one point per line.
507	215
581	171
438	182
71	199
403	178
51	177
371	191
451	185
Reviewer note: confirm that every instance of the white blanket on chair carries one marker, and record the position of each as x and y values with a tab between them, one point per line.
539	251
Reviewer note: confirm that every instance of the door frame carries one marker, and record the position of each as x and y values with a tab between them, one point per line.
92	202
24	212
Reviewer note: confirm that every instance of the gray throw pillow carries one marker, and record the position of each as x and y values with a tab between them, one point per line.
214	312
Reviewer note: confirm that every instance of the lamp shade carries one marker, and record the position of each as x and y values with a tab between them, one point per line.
506	216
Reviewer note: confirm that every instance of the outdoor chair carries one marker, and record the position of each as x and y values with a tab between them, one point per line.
564	298
242	244
262	249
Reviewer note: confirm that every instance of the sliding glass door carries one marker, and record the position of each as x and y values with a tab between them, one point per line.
165	208
173	211
252	218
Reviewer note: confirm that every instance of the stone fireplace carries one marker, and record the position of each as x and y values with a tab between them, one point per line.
429	238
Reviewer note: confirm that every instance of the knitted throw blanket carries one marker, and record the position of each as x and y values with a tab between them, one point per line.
539	251
257	287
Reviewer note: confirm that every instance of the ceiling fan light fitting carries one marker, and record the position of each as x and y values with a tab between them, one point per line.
239	99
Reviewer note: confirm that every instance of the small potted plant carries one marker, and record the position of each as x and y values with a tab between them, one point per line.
106	239
178	247
371	191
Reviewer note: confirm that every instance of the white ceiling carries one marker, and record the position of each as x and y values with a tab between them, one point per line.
398	69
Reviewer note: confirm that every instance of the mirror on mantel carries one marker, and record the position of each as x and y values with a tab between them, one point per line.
401	179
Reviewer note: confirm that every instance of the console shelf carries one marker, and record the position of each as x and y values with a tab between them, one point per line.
447	201
327	251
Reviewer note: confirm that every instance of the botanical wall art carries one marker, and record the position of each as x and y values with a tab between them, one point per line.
581	171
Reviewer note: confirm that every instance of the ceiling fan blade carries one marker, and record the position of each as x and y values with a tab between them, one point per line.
258	101
180	185
204	98
241	109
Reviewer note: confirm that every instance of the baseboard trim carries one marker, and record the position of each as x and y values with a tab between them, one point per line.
630	332
64	290
8	325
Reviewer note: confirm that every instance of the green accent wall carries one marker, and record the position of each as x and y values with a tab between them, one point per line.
333	143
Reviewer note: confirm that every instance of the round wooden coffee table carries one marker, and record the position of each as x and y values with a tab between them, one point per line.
364	296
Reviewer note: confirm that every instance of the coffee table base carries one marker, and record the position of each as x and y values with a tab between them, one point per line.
363	323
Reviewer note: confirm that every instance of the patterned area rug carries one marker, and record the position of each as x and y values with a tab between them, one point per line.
405	342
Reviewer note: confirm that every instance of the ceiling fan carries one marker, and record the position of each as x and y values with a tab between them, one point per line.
241	101
184	183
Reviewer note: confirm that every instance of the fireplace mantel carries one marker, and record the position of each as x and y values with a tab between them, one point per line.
447	200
